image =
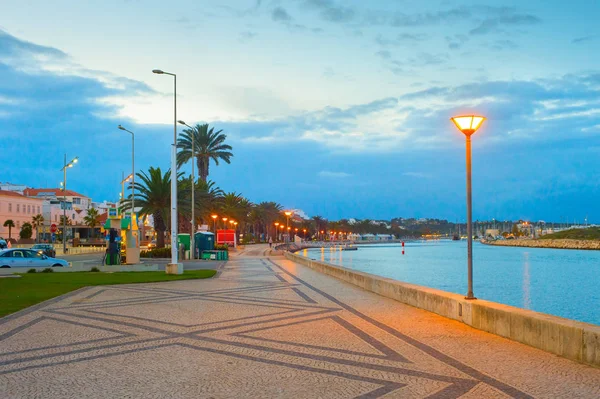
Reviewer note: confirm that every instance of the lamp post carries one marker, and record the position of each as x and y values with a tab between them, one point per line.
132	171
64	170
214	217
193	190
287	223
469	125
224	223
125	180
174	267
276	226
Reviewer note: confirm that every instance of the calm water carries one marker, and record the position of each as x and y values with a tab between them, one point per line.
564	283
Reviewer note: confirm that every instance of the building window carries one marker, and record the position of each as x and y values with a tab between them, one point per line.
39	209
10	206
56	218
18	224
18	208
28	209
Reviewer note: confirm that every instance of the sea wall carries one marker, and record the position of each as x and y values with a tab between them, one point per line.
568	338
558	244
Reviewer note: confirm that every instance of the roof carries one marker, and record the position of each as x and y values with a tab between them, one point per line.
34	192
10	194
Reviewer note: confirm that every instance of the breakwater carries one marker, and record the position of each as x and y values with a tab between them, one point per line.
537	243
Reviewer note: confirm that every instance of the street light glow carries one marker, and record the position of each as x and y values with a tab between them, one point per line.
468	124
214	216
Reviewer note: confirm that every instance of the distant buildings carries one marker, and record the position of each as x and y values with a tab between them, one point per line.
18	208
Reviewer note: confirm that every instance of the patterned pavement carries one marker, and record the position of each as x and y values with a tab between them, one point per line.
265	328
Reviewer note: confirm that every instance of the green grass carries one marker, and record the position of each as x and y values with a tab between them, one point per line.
592	233
29	289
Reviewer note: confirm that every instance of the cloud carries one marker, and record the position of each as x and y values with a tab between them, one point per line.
584	39
246	36
333	175
279	14
329	11
508	19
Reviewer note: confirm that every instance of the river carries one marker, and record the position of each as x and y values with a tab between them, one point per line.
560	282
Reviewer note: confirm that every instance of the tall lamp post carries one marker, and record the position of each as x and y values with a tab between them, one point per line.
132	171
287	223
214	218
193	190
174	267
469	125
64	170
276	227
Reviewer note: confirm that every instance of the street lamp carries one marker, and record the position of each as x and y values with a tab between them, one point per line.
193	190
122	194
132	171
469	125
64	169
214	217
287	222
224	223
174	267
276	226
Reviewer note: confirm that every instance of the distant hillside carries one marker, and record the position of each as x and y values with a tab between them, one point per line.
592	233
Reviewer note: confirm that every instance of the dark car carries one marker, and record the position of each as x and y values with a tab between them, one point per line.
46	249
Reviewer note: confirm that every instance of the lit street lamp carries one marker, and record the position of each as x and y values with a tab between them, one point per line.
224	223
193	190
214	217
64	169
287	223
276	226
469	125
174	267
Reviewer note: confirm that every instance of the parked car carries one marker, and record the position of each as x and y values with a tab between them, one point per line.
47	249
152	244
28	258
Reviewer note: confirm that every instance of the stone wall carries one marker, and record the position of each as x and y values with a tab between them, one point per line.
558	244
568	338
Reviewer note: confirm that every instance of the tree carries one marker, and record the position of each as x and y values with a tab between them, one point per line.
153	196
26	231
208	145
10	224
515	230
91	219
62	219
37	220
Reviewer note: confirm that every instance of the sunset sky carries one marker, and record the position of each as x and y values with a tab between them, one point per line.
337	108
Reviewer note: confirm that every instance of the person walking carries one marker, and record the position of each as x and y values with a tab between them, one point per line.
270	242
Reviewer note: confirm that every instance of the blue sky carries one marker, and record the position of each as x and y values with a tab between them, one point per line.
337	108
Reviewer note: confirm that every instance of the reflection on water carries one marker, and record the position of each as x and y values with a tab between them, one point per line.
526	282
561	282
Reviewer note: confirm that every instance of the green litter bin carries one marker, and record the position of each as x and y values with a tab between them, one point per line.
183	239
205	255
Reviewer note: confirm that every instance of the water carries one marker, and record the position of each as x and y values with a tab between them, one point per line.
560	282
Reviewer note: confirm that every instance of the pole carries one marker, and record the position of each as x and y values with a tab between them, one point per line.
193	239
132	178
469	222
64	235
174	259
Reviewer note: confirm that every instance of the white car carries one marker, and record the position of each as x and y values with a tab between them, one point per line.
19	257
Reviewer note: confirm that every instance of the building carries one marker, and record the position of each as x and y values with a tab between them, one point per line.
18	208
55	196
17	188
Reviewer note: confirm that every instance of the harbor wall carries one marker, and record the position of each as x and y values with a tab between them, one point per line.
567	338
557	244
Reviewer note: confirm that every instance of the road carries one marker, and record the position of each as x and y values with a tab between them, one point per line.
96	259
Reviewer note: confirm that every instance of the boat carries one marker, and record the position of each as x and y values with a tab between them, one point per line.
347	248
455	237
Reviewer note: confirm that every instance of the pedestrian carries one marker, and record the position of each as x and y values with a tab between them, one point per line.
8	244
270	242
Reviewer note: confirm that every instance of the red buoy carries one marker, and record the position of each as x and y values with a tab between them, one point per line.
402	243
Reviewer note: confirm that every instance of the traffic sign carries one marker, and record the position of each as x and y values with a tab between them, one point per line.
53	228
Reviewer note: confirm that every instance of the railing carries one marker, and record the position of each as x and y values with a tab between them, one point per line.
79	250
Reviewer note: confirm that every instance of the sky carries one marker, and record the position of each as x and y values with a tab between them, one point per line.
339	108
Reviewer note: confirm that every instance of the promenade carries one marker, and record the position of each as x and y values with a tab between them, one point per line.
265	327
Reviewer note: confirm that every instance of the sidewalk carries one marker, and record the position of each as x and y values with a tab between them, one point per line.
264	328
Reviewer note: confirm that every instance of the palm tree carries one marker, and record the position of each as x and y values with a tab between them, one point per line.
269	212
91	220
208	145
62	218
37	220
153	195
10	224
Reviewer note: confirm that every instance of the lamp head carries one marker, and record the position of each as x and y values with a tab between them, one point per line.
121	127
468	124
157	71
288	213
214	216
181	122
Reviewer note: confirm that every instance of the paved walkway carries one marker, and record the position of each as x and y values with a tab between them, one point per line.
265	328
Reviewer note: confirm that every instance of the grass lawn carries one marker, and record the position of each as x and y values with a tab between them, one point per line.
591	233
32	288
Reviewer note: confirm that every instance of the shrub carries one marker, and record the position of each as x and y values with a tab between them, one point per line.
94	269
31	271
222	247
48	270
156	253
